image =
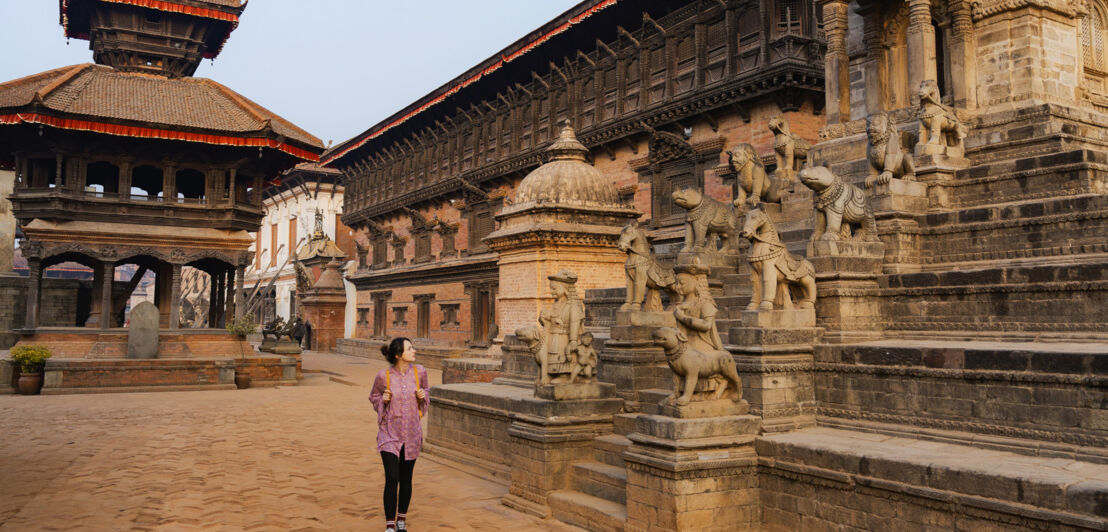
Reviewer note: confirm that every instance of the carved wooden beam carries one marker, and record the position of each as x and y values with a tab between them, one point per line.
474	189
520	88
608	149
554	68
626	34
604	47
631	144
539	79
742	111
586	58
646	20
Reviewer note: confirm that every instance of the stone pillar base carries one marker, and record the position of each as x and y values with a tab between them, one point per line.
697	472
773	352
631	361
286	347
937	172
848	291
896	206
545	438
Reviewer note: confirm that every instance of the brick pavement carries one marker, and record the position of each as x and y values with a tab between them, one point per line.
291	458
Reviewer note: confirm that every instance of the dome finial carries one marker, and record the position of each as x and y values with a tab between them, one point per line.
566	146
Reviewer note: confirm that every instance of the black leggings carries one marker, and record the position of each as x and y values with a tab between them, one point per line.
398	481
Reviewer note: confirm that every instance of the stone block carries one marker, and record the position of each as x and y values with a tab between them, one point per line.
900	196
670	428
638	318
142	332
575	391
779	319
701	409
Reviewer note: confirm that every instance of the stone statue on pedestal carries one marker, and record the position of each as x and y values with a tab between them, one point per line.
838	205
940	130
689	364
707	219
886	156
556	342
646	277
696	314
791	151
754	185
773	269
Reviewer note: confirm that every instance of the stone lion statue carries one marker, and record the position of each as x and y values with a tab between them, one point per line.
754	185
706	218
886	157
938	124
690	365
838	205
773	269
791	150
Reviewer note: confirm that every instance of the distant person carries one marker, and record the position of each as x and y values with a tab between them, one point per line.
399	395
298	330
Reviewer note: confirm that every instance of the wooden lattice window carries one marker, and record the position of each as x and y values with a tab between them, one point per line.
1093	57
788	17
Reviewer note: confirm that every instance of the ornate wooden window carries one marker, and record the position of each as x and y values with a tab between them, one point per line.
480	221
788	19
422	238
400	316
449	314
423	314
1093	27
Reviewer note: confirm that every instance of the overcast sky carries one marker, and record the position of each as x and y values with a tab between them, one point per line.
332	67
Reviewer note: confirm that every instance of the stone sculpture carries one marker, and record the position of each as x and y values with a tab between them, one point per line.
754	185
791	150
304	280
646	277
689	365
940	131
773	269
838	206
887	159
696	313
275	327
707	218
555	342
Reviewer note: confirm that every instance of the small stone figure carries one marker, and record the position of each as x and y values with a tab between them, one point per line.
887	159
940	131
754	185
706	218
559	332
690	364
696	314
838	205
773	268
645	275
791	150
584	359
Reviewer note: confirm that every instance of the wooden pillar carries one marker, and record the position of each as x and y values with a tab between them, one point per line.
107	274
125	179
227	283
213	292
240	274
175	296
34	284
231	186
921	47
256	194
836	62
169	180
60	162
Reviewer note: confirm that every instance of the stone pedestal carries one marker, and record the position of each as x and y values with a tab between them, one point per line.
937	172
285	346
13	308
773	353
846	279
896	206
693	468
630	360
546	437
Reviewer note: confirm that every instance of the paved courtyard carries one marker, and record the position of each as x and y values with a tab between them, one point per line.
292	458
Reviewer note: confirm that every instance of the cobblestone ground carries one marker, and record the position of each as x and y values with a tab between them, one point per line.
281	459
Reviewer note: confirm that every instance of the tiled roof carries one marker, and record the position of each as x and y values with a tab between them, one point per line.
101	93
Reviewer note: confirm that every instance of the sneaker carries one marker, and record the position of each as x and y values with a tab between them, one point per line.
390	529
401	527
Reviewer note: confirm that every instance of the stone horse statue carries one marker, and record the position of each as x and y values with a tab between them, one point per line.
645	275
774	269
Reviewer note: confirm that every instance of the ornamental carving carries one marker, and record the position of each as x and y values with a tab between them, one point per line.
665	146
988	8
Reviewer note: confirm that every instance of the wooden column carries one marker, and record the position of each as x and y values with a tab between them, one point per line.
227	283
921	47
34	283
107	274
175	296
213	296
836	62
236	305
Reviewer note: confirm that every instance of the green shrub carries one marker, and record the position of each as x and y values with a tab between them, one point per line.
31	358
241	326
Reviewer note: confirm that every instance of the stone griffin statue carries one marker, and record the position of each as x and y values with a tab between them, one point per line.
887	159
304	280
706	218
838	205
940	131
645	275
707	374
555	342
754	185
791	150
773	269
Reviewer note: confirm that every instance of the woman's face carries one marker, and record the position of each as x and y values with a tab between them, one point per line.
408	355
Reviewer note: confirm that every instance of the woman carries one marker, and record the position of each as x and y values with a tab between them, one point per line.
400	397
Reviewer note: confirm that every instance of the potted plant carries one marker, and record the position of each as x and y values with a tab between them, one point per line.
30	359
240	327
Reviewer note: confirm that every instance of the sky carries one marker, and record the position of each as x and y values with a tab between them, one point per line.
333	67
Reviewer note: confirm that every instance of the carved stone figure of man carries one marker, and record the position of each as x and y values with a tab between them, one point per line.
696	314
563	322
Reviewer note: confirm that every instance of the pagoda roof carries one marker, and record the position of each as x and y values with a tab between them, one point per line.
74	15
101	99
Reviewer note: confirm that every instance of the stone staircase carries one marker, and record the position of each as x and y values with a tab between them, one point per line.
597	498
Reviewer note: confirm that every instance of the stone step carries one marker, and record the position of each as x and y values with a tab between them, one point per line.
1030	178
588	512
606	481
608	449
623	424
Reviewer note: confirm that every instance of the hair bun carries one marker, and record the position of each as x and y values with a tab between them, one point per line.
385	350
